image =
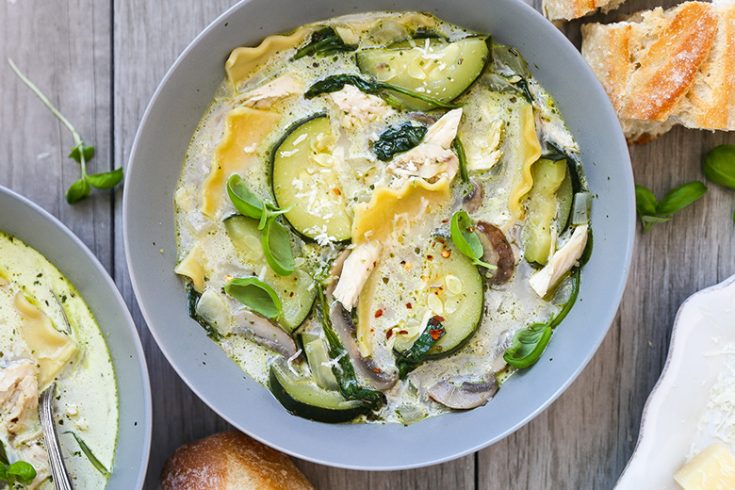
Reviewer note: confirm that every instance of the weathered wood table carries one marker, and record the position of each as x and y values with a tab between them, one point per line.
101	60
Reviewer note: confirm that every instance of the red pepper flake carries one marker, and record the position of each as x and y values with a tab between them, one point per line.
336	191
389	334
429	257
377	370
403	332
436	320
436	333
409	305
378	313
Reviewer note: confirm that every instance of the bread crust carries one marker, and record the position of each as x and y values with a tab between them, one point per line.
667	67
230	461
572	9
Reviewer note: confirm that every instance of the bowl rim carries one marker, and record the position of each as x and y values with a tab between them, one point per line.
616	292
110	286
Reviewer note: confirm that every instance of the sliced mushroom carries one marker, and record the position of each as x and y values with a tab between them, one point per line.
464	395
263	332
343	325
473	200
497	251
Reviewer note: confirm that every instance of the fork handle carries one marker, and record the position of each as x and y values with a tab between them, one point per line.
58	468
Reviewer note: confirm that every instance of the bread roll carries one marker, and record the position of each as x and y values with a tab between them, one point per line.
231	461
668	67
572	9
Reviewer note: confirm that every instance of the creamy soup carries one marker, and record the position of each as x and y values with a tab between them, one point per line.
381	217
49	339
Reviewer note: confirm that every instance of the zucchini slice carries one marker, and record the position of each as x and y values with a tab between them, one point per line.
565	195
302	397
460	290
305	183
542	207
317	356
453	291
296	291
432	67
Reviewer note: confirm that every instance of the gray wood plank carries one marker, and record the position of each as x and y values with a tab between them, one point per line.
65	50
148	37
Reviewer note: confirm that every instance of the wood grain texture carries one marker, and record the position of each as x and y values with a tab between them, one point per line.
101	62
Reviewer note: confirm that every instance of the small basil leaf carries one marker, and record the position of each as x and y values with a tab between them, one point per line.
335	83
649	221
90	455
78	191
397	139
719	165
645	201
244	200
527	346
105	180
256	295
681	197
20	471
82	149
463	235
276	242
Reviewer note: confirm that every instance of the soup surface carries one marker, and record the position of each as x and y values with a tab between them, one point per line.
48	334
381	217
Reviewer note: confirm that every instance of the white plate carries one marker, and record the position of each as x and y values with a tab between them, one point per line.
672	418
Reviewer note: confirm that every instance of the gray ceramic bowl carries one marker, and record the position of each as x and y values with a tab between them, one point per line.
154	167
37	228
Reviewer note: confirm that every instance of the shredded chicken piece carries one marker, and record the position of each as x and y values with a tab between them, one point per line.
358	108
560	263
20	427
355	273
266	95
433	158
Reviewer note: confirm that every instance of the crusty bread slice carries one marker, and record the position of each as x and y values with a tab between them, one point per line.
231	461
572	9
668	67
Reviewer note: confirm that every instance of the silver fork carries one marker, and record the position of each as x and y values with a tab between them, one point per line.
51	438
58	468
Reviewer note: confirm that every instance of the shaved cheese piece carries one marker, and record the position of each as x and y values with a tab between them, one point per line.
50	348
193	267
712	469
358	108
374	219
245	129
278	89
355	272
245	60
560	263
530	152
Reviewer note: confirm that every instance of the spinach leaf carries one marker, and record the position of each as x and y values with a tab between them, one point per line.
90	455
397	139
344	371
510	71
258	296
719	165
21	472
335	83
324	42
276	242
652	212
458	148
462	231
193	298
409	360
80	152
